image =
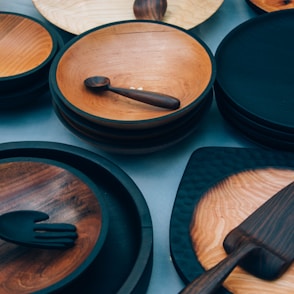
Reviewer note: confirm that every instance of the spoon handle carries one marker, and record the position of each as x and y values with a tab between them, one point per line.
211	280
156	99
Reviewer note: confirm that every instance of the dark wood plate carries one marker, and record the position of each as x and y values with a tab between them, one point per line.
125	262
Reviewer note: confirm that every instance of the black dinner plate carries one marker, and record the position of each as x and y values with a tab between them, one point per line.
125	262
255	69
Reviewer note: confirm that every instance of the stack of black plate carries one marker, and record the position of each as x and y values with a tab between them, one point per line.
254	84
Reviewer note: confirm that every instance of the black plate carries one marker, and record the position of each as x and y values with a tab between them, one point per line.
140	145
207	167
255	69
125	262
253	131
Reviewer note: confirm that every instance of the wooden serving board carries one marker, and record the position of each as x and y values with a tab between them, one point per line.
78	16
220	187
222	209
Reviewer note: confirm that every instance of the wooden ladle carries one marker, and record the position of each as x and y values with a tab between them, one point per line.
150	9
156	99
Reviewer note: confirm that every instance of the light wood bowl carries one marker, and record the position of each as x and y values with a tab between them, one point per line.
222	209
26	49
140	54
66	195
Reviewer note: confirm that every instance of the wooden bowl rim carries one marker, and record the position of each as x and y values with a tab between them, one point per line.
55	46
131	123
103	208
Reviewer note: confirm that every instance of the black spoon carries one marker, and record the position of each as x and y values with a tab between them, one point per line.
156	99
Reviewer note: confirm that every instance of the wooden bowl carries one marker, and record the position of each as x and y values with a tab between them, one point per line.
27	48
155	56
66	195
263	6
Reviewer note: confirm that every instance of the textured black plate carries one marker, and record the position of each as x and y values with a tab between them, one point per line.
125	262
207	167
254	69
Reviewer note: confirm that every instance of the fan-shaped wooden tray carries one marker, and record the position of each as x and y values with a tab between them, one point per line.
220	187
78	16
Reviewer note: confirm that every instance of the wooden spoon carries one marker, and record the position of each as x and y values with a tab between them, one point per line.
156	99
150	9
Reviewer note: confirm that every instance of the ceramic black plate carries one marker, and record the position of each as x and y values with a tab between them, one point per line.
207	167
125	262
254	69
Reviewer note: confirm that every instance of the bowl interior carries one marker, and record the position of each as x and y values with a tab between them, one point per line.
24	44
66	195
147	55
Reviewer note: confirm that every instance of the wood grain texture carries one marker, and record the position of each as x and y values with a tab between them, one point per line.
144	55
66	198
24	44
272	5
78	16
222	209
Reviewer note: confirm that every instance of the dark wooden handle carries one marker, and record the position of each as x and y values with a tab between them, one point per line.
150	9
212	279
156	99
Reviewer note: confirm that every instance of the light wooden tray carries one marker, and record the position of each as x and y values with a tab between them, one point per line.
222	209
78	16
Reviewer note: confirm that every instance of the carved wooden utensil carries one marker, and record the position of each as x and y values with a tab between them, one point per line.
263	244
150	9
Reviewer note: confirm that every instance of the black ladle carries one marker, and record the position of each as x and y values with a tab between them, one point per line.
156	99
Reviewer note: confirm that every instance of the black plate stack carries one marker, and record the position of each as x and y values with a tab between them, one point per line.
254	84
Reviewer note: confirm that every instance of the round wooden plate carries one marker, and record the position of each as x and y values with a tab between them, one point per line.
67	196
222	209
124	264
79	16
271	5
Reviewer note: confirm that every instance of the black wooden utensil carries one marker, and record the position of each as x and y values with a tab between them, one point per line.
263	244
21	227
153	98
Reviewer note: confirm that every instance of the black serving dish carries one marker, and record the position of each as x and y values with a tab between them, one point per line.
125	262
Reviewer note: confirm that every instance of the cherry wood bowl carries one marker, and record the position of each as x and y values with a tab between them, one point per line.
27	48
264	6
141	54
66	195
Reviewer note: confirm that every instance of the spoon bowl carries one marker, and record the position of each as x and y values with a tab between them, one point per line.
153	98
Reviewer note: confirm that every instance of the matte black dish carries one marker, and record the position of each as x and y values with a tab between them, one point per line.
207	167
125	262
254	69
